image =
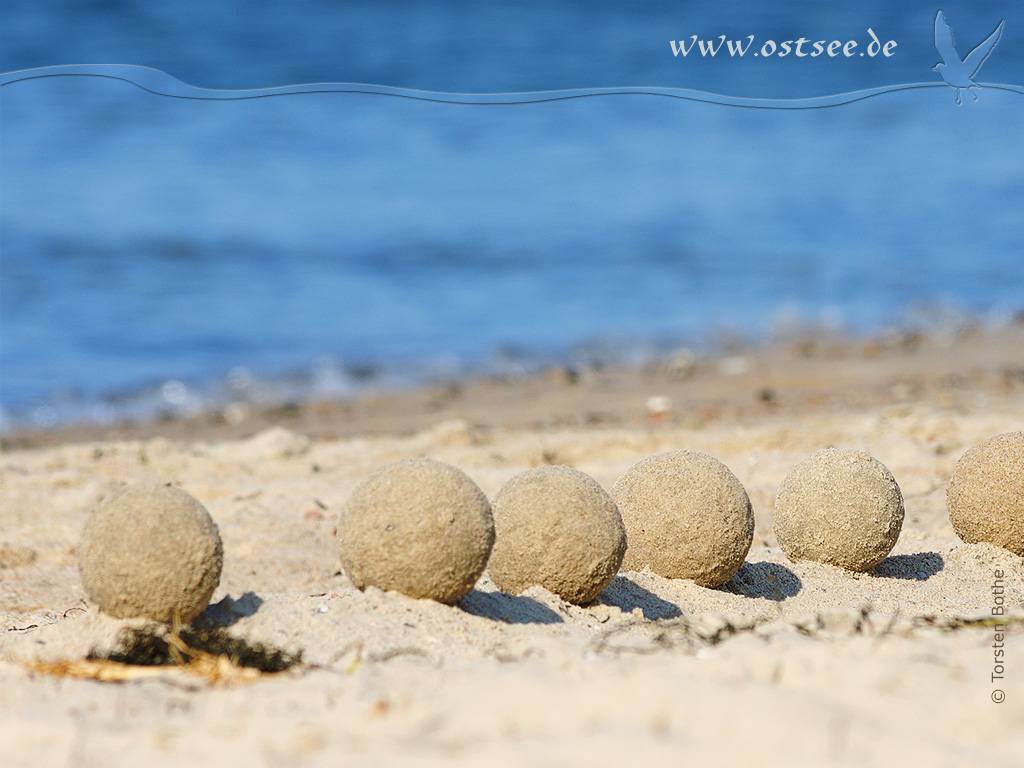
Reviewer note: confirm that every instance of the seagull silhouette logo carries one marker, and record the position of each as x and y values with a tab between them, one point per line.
959	73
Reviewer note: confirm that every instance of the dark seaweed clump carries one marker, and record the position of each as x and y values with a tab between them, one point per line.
153	648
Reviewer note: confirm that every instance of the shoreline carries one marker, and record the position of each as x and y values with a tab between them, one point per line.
815	373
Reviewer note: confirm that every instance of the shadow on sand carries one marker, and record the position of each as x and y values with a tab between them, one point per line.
918	567
510	609
771	581
229	611
627	595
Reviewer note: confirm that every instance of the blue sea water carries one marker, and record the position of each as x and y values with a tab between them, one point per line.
164	254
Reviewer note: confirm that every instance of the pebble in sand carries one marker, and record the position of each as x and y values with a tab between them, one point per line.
839	507
686	517
985	497
420	527
558	528
151	551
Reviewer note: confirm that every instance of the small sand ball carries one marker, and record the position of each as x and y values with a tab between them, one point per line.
558	528
985	497
839	507
420	527
686	517
151	551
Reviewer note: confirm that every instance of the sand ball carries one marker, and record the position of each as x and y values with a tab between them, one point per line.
151	551
686	517
558	528
985	497
420	527
839	507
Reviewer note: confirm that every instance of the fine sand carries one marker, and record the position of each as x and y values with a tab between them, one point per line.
785	664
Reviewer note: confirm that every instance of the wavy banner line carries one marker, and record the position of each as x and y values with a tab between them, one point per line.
160	83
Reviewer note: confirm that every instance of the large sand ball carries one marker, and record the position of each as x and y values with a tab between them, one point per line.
839	507
151	551
686	517
558	528
985	497
420	527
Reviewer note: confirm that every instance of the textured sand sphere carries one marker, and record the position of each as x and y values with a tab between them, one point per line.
839	507
420	527
151	551
985	497
686	516
556	527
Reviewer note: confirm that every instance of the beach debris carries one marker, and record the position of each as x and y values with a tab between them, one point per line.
734	365
556	527
659	406
562	375
689	633
686	517
277	443
840	507
420	527
160	652
681	365
236	413
985	497
151	551
451	432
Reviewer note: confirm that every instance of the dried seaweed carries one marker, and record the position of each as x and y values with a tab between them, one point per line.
155	652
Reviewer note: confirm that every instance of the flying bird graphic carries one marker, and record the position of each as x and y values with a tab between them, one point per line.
960	74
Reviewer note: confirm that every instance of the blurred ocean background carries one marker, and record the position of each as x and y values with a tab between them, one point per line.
162	255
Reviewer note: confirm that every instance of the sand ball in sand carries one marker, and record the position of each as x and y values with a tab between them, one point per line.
686	517
151	551
839	507
420	527
558	528
985	497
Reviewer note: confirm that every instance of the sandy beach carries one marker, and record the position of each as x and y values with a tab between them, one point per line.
786	664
